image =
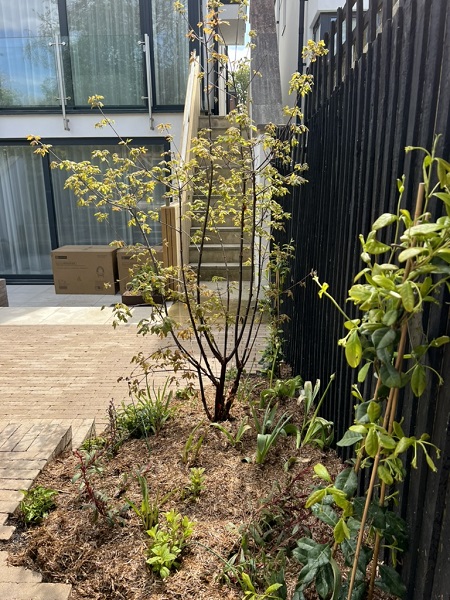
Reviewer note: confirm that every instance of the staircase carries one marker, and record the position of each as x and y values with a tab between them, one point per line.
221	252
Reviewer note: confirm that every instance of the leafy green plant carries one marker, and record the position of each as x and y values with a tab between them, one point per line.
265	441
314	430
36	504
278	270
166	545
196	481
250	592
235	439
89	465
267	540
282	390
148	412
186	393
265	423
391	297
94	443
149	509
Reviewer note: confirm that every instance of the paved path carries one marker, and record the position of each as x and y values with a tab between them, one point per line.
59	370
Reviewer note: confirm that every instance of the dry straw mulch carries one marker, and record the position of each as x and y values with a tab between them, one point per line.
108	563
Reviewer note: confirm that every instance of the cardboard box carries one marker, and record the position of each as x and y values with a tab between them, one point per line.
127	258
85	270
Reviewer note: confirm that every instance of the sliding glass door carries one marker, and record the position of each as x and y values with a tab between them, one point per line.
78	224
28	75
59	52
37	213
25	242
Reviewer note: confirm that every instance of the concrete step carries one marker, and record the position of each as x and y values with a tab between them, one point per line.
229	271
213	121
218	253
35	591
10	574
224	235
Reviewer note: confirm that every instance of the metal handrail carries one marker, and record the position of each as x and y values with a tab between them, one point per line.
57	43
148	73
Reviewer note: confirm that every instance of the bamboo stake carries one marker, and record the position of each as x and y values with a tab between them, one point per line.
400	355
388	421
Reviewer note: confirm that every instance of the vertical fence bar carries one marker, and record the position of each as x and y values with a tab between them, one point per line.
359	29
338	50
395	93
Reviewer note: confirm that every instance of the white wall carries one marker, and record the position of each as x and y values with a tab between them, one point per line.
18	127
287	12
287	15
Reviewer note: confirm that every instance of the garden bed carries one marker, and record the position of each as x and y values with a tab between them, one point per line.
104	561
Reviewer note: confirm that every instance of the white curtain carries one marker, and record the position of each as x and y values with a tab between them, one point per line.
24	230
78	224
104	49
171	53
27	62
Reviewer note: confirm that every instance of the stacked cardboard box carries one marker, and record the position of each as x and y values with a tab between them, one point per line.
85	270
3	293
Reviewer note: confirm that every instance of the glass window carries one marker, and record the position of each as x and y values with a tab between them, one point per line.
171	53
104	49
24	229
78	224
27	61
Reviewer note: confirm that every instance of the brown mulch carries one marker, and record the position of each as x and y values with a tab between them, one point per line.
108	563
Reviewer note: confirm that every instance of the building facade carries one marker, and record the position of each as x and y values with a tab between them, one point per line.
297	22
54	55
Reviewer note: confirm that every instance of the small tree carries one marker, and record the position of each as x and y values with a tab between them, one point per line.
226	183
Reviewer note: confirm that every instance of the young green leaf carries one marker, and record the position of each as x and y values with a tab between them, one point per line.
418	380
349	438
407	294
322	472
315	497
353	349
411	253
341	531
383	221
440	341
362	373
385	475
374	411
371	444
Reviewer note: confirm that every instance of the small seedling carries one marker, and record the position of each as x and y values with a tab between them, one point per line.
265	441
196	481
148	412
149	509
36	504
94	443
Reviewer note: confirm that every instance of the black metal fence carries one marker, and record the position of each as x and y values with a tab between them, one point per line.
384	85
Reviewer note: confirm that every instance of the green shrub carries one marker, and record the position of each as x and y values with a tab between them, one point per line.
36	504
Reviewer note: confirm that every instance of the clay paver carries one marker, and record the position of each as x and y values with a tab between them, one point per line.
57	382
